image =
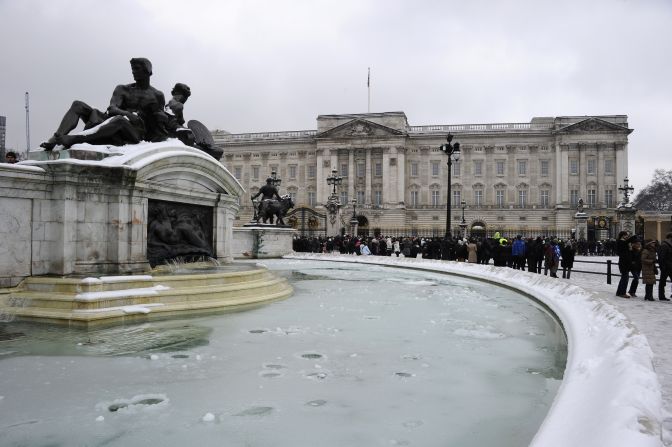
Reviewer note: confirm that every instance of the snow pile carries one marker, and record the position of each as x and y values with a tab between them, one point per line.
126	293
610	394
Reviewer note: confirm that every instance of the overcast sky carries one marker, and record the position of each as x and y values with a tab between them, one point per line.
269	65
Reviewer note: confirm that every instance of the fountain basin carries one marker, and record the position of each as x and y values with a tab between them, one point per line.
198	288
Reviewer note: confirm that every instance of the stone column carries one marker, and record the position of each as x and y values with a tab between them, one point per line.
558	174
621	161
352	175
320	179
368	174
401	175
386	175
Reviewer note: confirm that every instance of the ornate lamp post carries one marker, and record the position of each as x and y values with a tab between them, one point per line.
453	152
463	224
625	210
334	180
333	205
626	189
353	219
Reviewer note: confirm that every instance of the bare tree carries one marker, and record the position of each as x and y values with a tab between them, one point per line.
657	196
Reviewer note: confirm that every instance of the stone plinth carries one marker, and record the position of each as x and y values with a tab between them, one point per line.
581	220
262	241
626	213
85	210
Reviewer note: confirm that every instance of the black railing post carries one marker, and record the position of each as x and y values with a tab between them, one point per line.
608	271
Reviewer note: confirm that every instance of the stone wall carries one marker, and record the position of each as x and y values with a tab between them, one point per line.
61	215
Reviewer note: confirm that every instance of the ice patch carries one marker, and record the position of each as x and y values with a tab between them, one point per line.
208	417
481	334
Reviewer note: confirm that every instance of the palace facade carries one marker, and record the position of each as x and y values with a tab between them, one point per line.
513	177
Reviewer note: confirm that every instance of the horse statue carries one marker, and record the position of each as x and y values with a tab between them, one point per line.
278	208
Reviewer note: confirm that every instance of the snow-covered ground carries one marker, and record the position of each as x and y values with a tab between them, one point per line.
610	395
652	318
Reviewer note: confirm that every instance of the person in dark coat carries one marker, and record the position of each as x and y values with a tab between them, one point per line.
648	262
624	252
635	268
665	261
567	252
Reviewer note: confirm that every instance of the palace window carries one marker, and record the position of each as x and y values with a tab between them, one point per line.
255	172
590	166
415	198
311	171
435	168
499	167
378	169
544	198
609	198
522	167
574	197
522	198
436	198
361	170
360	196
311	198
544	168
378	198
414	169
478	167
499	198
574	166
457	198
592	197
344	169
456	168
344	197
292	172
238	172
609	167
478	197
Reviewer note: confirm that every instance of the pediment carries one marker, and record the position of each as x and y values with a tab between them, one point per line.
360	128
594	125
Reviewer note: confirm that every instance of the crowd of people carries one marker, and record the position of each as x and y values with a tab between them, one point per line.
647	260
550	255
547	255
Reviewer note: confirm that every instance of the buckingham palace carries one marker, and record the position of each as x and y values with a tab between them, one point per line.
513	177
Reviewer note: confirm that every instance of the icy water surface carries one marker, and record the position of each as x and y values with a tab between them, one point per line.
359	356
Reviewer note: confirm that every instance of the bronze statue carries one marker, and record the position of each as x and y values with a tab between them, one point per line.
276	209
268	192
137	112
133	115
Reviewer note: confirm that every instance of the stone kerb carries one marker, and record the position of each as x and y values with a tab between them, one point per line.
68	215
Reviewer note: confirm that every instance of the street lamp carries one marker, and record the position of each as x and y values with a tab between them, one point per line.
626	189
453	152
463	224
334	180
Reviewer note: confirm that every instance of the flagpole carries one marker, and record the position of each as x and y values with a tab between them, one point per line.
368	87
